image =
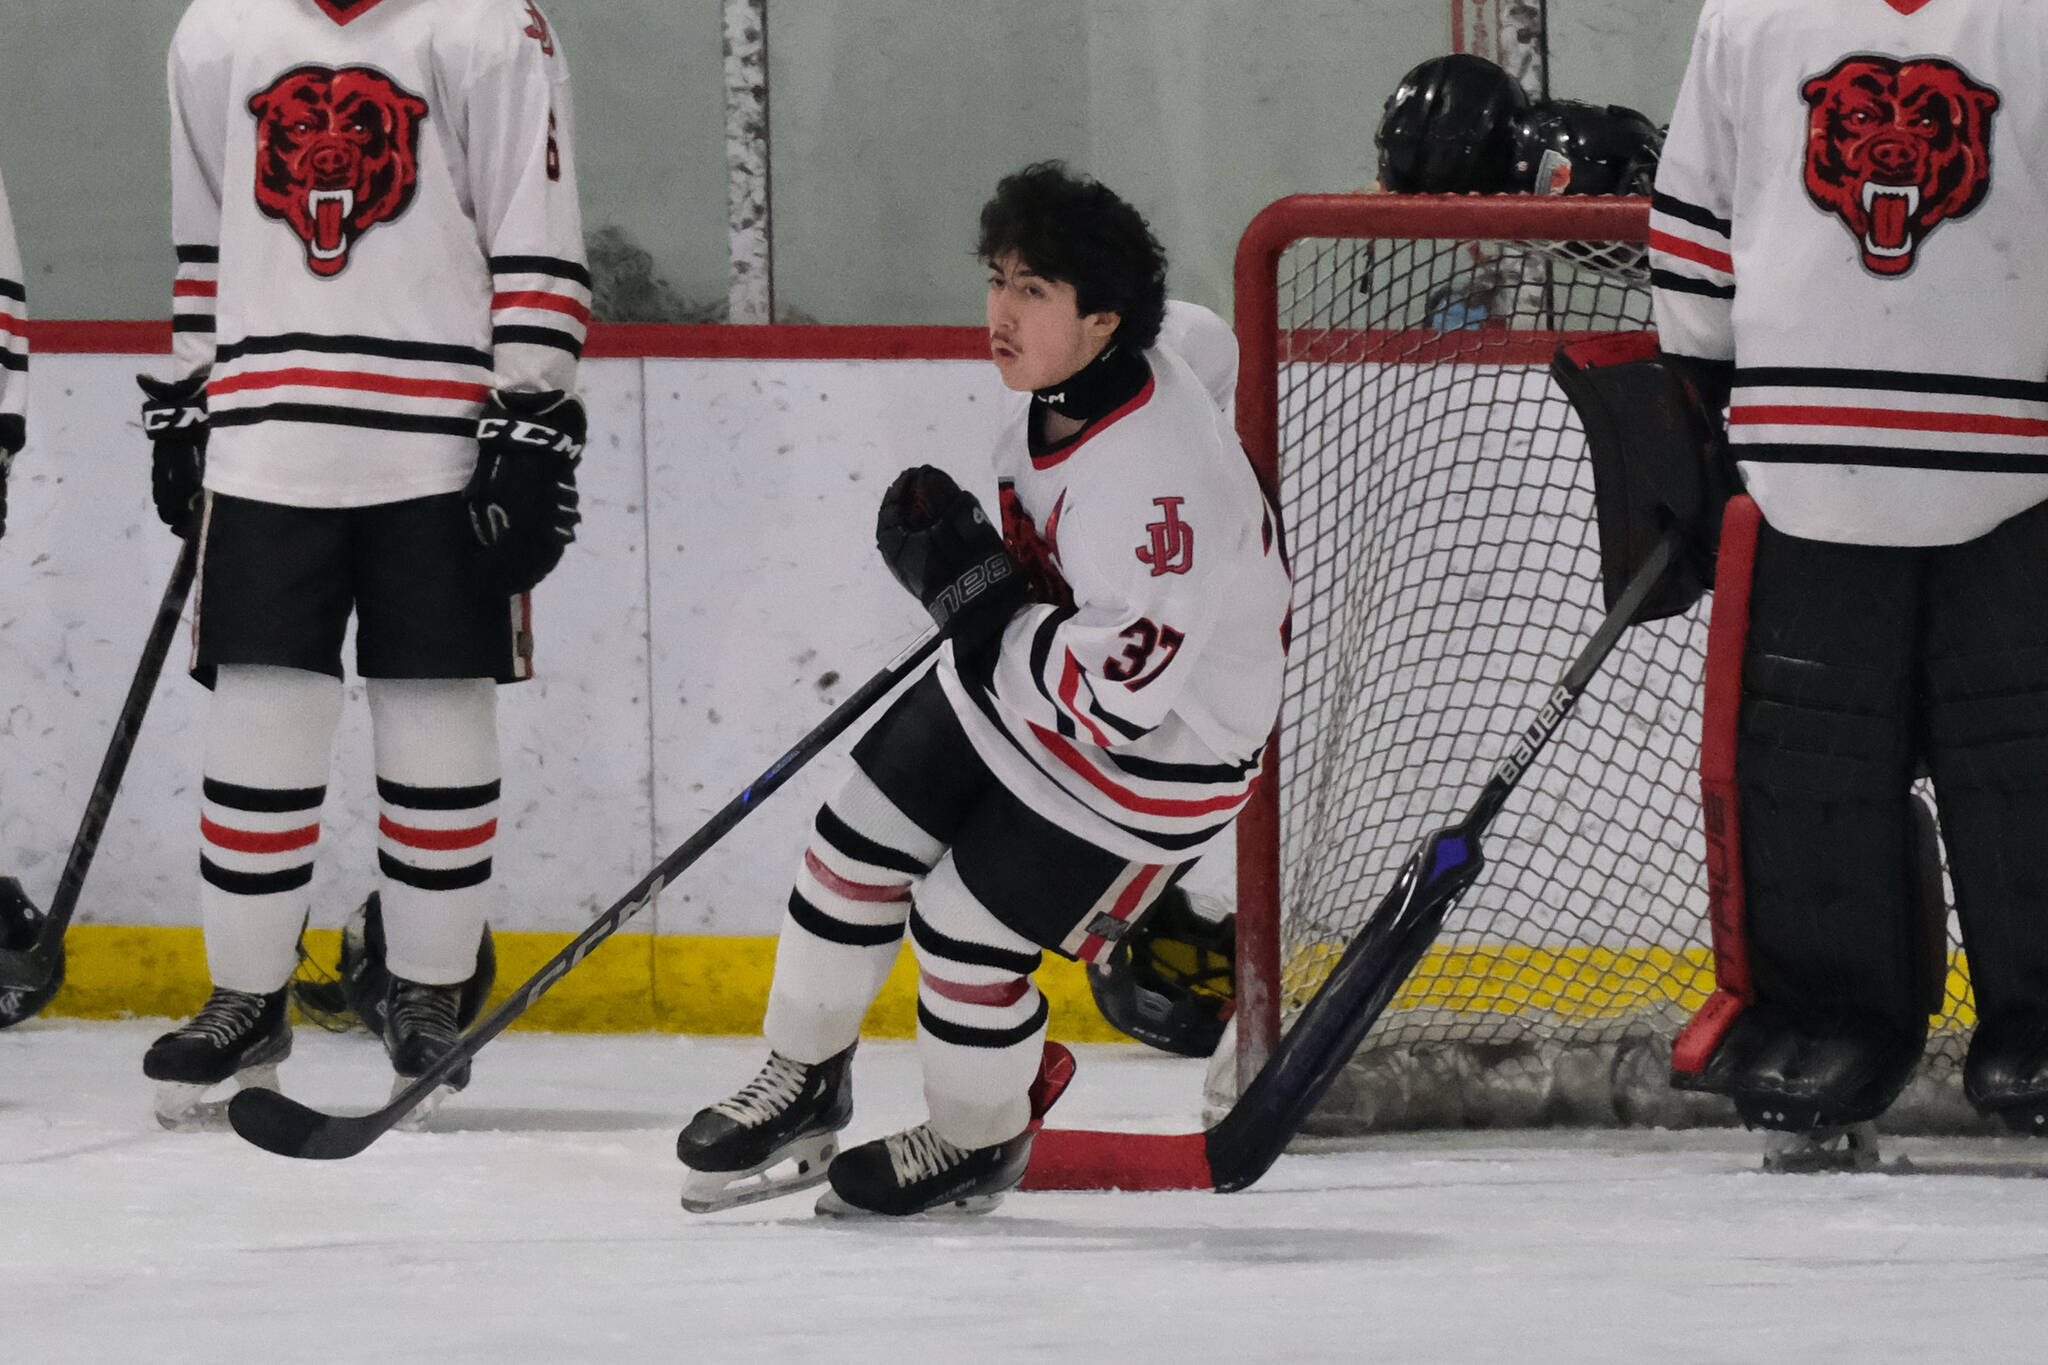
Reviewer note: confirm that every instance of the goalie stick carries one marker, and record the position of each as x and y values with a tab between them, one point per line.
30	968
1246	1141
284	1126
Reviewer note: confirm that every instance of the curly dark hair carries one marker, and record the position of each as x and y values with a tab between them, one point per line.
1076	231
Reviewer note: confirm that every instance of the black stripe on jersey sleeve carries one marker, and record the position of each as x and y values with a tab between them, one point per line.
436	798
190	253
1128	729
11	289
1683	284
381	347
1672	207
192	322
1904	381
540	265
966	1035
13	360
1041	656
527	335
1206	774
1892	457
986	706
324	414
262	800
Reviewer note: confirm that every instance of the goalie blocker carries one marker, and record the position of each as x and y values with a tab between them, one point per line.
1657	444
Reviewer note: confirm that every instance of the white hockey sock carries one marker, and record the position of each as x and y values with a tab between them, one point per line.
436	741
269	741
844	924
980	1018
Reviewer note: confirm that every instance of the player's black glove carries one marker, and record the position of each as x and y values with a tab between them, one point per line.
940	546
522	498
13	434
174	419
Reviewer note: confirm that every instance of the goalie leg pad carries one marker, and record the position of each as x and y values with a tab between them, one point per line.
1823	1014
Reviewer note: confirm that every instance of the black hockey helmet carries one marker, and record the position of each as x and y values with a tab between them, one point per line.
365	981
1569	147
1171	980
1448	128
21	923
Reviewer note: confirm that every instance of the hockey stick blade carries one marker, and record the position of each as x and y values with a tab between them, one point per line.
30	968
1246	1142
279	1124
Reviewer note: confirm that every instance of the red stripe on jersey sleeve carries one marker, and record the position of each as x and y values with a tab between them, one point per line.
535	298
1692	251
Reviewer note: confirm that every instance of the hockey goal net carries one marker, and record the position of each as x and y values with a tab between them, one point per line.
1439	510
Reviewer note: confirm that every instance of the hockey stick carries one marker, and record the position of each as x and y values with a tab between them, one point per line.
1246	1141
30	968
282	1125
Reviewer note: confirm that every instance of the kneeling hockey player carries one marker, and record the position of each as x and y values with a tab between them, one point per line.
380	304
1078	743
1848	225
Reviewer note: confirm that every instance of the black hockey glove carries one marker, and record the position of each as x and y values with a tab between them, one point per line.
522	498
940	546
13	434
174	419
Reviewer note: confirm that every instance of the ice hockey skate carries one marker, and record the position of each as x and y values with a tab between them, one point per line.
789	1116
918	1172
236	1034
420	1027
1848	1148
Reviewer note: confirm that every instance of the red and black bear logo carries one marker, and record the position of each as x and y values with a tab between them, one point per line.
337	152
1894	148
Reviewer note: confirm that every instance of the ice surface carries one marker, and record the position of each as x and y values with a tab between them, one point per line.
538	1223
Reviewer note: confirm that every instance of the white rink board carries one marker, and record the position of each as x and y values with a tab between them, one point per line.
764	477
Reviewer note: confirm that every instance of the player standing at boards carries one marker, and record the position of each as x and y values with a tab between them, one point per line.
380	303
1094	723
1848	225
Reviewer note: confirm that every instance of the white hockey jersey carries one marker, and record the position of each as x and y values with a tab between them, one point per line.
374	206
1135	717
13	320
1853	207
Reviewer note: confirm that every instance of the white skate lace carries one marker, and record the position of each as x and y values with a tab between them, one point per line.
919	1153
768	1094
225	1017
425	1011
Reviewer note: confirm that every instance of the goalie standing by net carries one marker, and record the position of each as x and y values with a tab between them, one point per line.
1095	722
1851	225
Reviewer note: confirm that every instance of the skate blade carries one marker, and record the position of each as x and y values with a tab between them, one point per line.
418	1117
710	1191
830	1205
184	1108
1833	1151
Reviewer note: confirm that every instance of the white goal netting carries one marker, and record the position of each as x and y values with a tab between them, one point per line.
1440	516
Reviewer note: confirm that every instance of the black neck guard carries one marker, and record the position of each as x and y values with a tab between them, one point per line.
1098	388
